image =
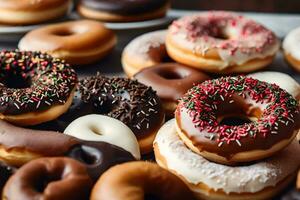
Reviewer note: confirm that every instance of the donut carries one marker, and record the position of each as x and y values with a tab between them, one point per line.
123	10
144	51
221	42
209	180
237	119
150	180
77	42
298	180
25	12
34	87
283	80
102	128
49	178
291	49
19	146
129	101
170	81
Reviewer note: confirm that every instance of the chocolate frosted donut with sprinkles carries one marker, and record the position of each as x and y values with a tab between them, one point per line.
34	87
129	101
237	119
221	42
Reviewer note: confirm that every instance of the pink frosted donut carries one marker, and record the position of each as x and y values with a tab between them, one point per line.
221	42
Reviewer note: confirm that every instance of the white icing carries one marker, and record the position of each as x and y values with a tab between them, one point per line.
253	46
284	81
106	129
239	179
140	46
291	43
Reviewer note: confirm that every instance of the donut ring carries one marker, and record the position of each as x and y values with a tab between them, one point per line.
144	51
15	12
123	11
290	47
77	42
283	80
34	87
106	129
149	179
129	101
272	119
209	180
19	146
221	42
170	81
49	178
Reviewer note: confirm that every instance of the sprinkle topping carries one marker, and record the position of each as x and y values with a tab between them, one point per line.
131	102
32	81
202	103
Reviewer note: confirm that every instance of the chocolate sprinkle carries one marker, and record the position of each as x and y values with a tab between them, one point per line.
32	81
131	102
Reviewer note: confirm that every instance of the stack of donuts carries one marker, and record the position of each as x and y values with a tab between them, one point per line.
183	124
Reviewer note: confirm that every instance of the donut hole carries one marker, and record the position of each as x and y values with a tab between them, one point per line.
95	130
16	81
44	179
64	32
90	155
235	120
171	75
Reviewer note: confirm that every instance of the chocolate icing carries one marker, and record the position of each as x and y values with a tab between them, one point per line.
49	178
124	7
98	156
131	102
170	80
32	81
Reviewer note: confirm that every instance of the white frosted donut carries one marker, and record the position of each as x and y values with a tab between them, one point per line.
106	129
291	48
195	169
221	42
144	51
283	80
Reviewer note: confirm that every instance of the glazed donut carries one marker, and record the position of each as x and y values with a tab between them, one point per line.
221	42
123	10
291	49
144	51
102	128
170	81
49	178
283	80
129	101
15	12
209	180
77	42
34	87
237	119
149	180
19	146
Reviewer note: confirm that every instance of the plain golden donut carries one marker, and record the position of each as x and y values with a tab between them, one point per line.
77	42
16	12
138	180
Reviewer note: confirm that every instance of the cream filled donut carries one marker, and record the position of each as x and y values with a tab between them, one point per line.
106	129
144	51
76	42
221	42
283	80
209	180
291	48
237	119
24	12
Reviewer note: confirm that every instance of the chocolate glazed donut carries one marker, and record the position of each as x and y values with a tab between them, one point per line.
124	7
19	146
171	81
